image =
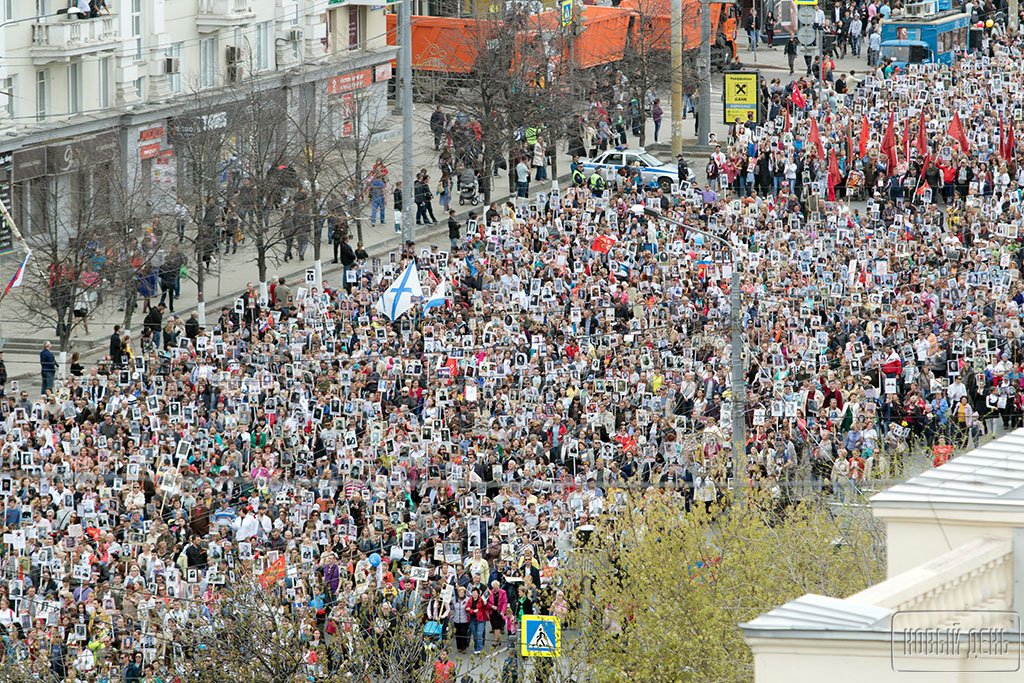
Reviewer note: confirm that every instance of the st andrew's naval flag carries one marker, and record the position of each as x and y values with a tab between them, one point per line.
402	294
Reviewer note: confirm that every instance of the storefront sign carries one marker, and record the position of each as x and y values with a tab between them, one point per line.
741	95
382	72
71	156
28	163
149	151
183	128
151	134
354	80
348	115
6	235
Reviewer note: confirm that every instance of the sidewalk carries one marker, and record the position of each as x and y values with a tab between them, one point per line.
21	341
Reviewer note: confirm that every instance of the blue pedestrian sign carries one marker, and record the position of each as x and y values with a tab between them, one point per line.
540	636
565	6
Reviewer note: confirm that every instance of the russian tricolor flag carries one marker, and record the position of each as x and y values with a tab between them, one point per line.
19	275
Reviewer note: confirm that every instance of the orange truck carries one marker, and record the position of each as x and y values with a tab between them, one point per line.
653	20
451	44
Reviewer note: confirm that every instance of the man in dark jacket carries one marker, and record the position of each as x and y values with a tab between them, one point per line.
437	123
192	326
348	259
47	367
454	229
115	346
169	271
338	237
154	322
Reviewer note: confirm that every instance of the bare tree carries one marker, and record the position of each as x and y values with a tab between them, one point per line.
200	137
333	162
83	251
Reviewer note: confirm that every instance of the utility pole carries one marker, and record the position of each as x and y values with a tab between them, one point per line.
405	76
704	68
677	76
739	389
821	65
1013	15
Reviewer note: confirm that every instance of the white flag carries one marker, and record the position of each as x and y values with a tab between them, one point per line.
398	298
439	297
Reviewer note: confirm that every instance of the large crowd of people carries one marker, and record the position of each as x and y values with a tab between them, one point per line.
444	465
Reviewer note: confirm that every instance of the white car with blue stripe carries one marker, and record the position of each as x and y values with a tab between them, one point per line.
652	170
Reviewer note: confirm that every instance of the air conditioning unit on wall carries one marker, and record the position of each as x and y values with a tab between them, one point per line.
235	54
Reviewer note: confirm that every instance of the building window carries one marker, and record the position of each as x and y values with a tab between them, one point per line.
264	43
175	51
140	87
9	10
208	62
75	88
356	17
41	87
41	7
137	28
11	97
104	82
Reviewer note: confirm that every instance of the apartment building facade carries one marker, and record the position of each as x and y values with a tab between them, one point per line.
82	97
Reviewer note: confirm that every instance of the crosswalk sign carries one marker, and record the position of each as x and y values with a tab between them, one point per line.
566	11
540	636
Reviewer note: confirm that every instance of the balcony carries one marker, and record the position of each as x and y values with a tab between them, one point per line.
61	39
215	15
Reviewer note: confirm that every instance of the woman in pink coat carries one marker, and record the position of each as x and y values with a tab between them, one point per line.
497	602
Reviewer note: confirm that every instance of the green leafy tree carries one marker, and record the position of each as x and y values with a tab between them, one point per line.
660	591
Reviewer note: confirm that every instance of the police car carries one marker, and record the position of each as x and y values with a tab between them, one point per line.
653	171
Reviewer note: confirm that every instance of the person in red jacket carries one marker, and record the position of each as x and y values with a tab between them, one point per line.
497	603
444	670
479	616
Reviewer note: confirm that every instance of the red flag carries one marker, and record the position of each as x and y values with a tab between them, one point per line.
1002	140
849	143
1011	143
798	97
924	166
786	123
906	140
922	137
865	133
603	243
834	177
815	137
889	145
272	574
956	131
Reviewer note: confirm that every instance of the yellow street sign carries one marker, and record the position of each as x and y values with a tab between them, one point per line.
741	95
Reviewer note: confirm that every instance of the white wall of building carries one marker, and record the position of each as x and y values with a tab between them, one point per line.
133	70
134	42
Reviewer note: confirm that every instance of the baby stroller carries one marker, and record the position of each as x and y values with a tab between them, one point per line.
469	187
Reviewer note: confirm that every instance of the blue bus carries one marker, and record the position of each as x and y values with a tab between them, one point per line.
928	39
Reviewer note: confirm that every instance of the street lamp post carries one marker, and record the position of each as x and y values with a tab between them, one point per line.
739	390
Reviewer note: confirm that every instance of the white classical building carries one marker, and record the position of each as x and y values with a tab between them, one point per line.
950	607
79	93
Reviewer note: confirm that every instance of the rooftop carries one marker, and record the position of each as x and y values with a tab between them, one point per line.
992	474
